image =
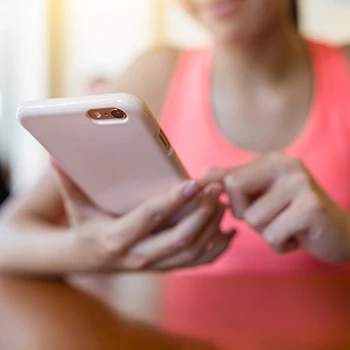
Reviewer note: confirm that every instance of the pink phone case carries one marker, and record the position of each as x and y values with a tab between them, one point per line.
117	163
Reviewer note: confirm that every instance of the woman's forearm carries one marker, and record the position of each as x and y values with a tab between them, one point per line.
37	254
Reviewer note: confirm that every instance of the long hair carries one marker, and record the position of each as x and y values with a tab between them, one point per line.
295	12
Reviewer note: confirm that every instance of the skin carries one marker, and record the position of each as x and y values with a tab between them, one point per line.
278	84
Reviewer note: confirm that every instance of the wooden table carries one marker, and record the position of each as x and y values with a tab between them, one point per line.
251	312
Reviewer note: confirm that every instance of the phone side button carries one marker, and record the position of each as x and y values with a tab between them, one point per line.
163	140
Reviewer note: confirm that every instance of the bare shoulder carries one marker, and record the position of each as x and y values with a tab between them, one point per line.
346	50
148	77
160	54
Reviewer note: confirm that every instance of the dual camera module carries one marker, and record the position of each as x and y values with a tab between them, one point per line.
107	114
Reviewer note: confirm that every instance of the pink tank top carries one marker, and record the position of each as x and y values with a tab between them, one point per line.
323	145
263	307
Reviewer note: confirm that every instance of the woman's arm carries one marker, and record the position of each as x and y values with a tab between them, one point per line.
31	243
32	231
27	221
39	210
42	207
34	240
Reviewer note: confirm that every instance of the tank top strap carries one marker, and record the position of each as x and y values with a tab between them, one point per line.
331	68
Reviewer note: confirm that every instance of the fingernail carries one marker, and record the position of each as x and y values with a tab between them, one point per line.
191	188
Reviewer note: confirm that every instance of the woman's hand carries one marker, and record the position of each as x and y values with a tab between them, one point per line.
277	196
129	243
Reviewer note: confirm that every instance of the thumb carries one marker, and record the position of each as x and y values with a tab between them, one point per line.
76	202
215	175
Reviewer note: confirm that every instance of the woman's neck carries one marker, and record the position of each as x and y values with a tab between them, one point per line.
266	84
271	57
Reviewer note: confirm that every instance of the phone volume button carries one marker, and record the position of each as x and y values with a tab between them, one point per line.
164	142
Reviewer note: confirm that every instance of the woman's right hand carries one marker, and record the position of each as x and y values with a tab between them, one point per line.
134	241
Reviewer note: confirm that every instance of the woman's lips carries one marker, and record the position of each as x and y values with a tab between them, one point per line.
222	8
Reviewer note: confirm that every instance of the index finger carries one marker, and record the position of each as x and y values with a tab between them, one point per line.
214	175
245	183
146	218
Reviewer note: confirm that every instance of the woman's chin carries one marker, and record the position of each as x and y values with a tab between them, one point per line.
228	36
234	34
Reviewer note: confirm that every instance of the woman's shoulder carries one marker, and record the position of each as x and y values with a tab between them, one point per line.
149	75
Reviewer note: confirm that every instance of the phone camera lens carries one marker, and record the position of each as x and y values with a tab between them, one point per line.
118	114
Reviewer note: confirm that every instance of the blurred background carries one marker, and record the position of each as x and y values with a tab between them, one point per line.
51	48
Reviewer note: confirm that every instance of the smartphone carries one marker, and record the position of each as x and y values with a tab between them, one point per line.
111	146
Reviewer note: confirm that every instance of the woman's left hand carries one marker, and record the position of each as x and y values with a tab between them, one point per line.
278	197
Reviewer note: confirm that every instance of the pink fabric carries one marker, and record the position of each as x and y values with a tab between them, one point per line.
324	146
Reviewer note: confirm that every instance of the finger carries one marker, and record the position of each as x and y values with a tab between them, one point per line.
215	175
243	184
142	221
214	190
319	235
266	208
75	200
180	237
219	246
305	222
286	227
190	254
252	178
238	200
255	176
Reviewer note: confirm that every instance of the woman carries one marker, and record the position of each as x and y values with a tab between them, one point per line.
260	90
265	89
